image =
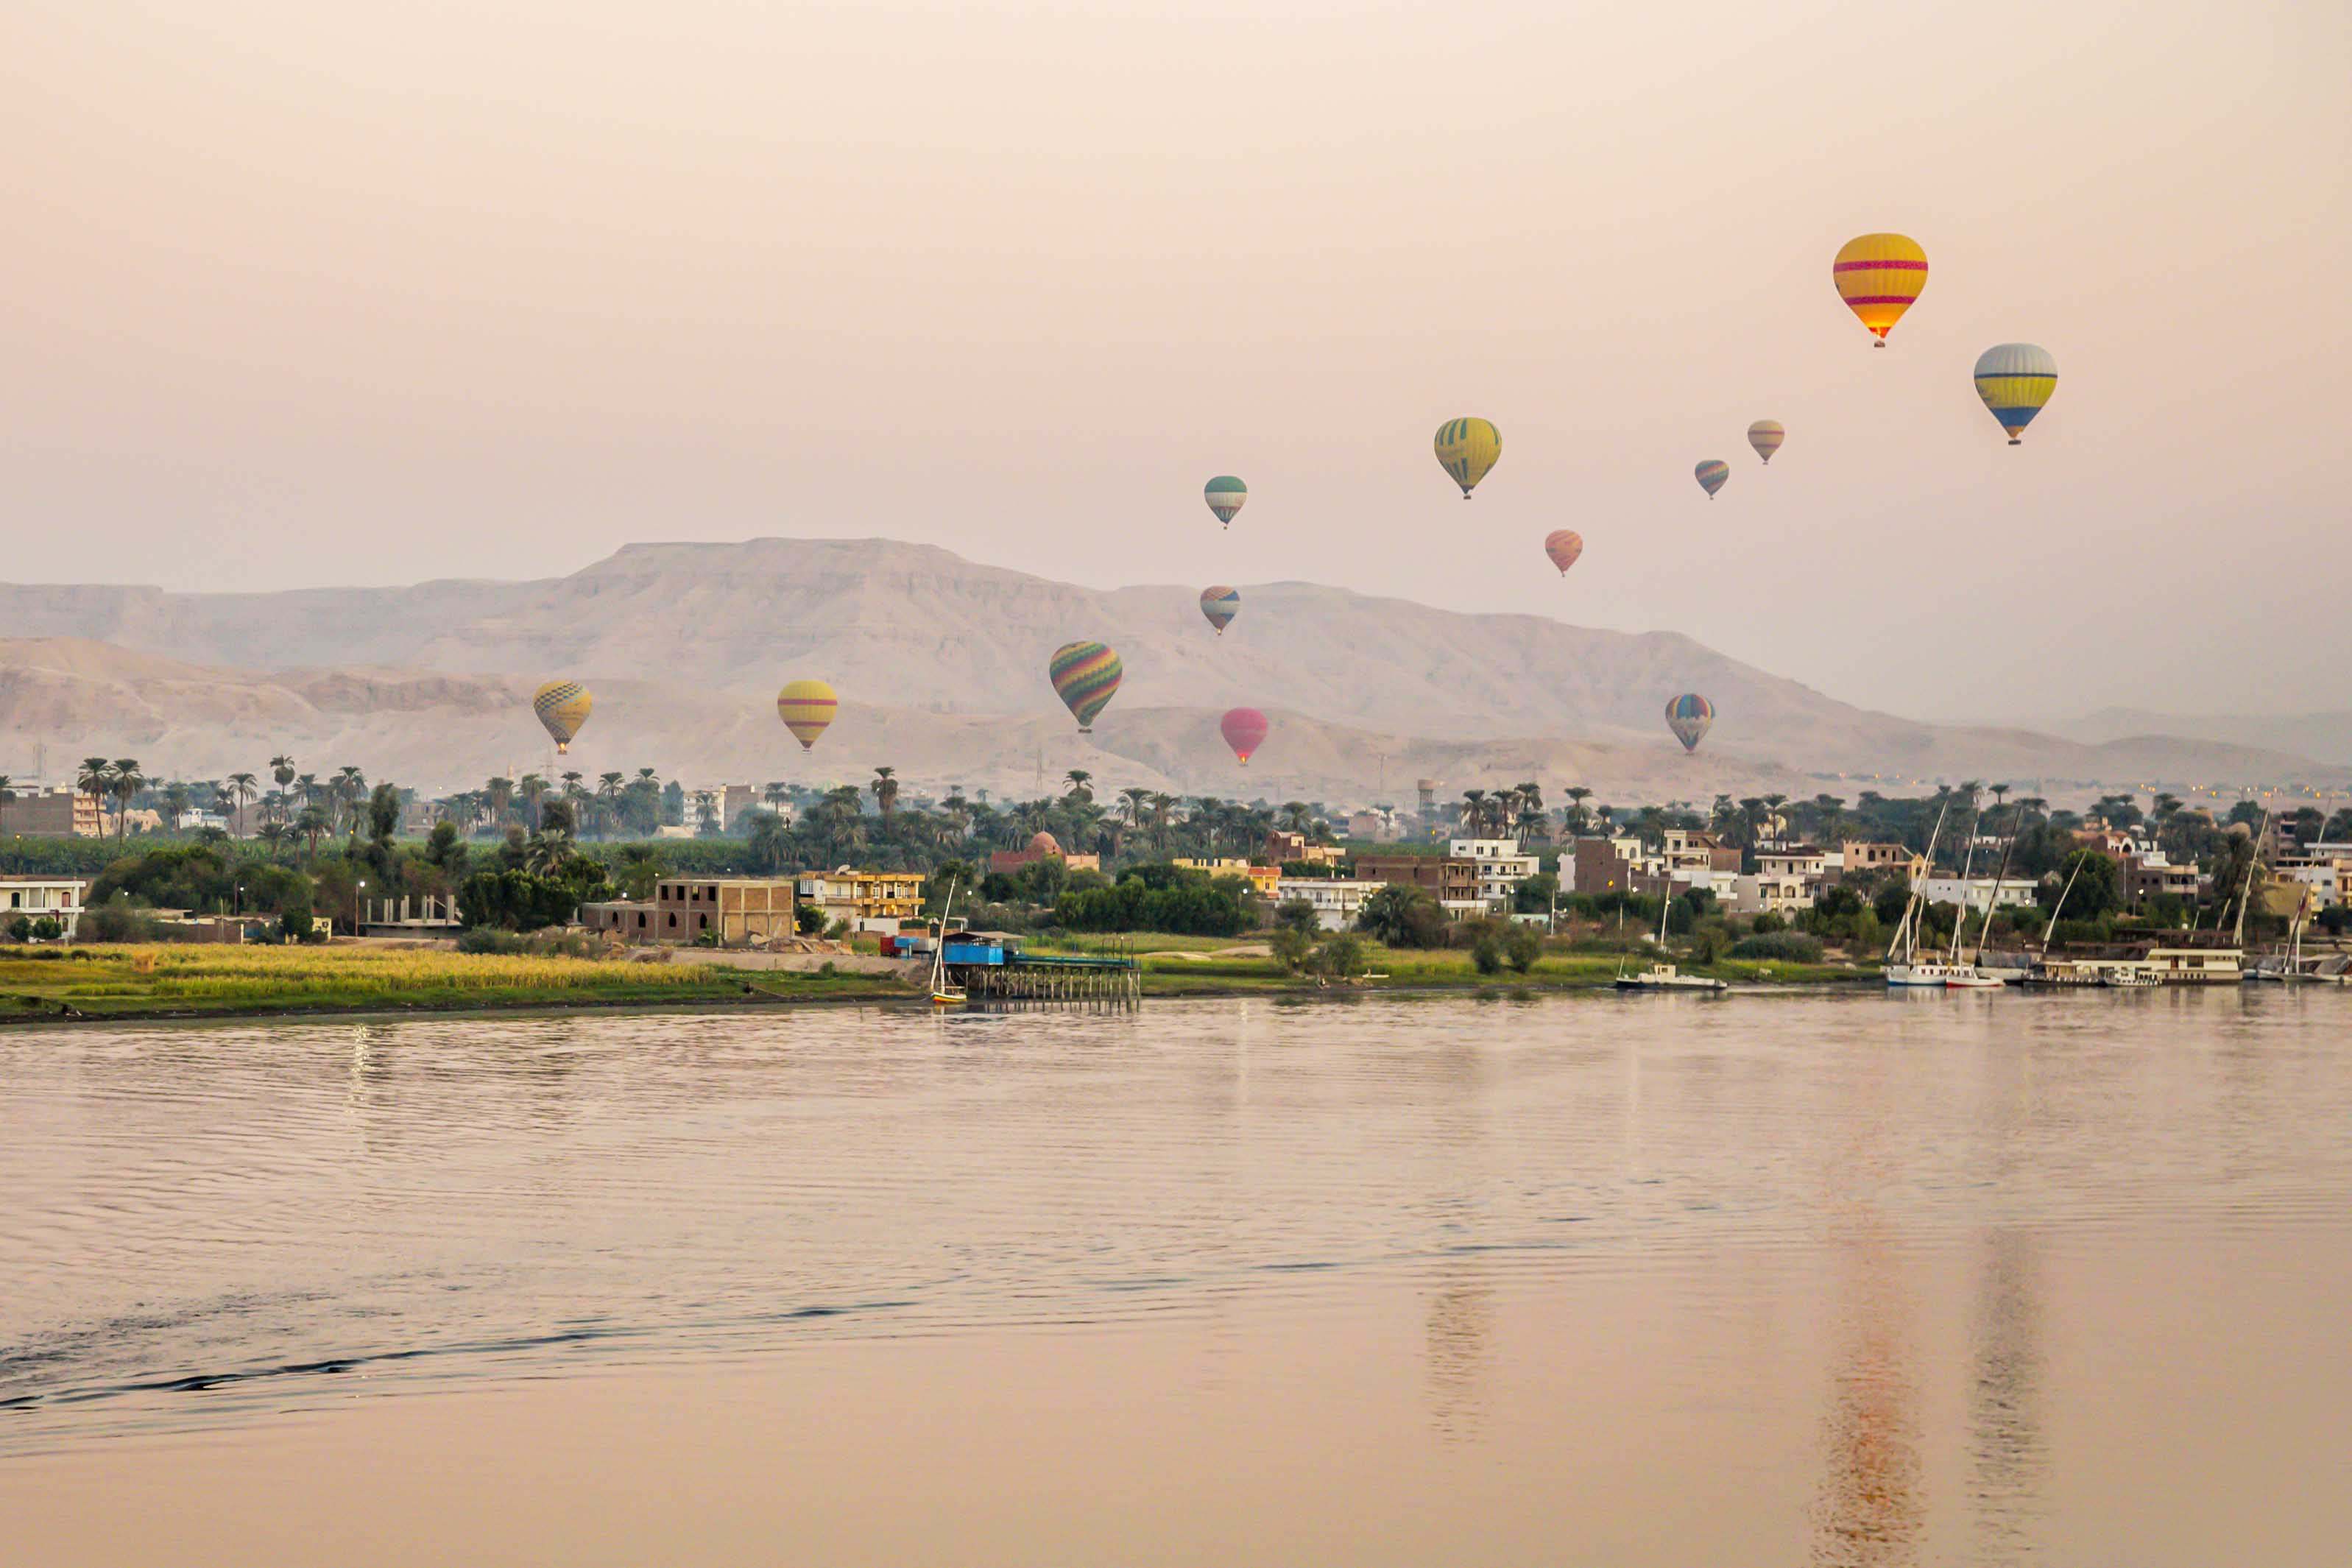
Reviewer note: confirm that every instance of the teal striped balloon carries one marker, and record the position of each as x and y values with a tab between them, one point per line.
1711	475
1224	495
1220	605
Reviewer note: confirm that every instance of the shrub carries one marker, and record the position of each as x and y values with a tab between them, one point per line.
294	925
808	919
1788	946
1292	946
1340	955
1522	947
1402	916
1486	953
1765	924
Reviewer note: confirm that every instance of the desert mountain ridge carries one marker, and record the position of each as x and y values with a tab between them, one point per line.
940	665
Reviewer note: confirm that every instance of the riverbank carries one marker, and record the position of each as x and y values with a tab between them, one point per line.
191	981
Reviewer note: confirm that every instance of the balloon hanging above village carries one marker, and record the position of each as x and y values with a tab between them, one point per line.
1690	716
1711	475
1466	449
1086	677
2016	380
562	707
807	707
1563	545
1879	276
1225	495
1221	604
1766	435
1245	731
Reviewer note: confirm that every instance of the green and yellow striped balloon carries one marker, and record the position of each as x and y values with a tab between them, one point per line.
1466	449
562	707
1086	677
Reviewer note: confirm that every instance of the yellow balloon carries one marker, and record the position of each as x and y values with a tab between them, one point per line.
1878	276
562	707
806	707
1466	449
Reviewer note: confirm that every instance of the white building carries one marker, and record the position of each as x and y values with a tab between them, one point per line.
2327	876
1773	893
1977	892
35	899
1792	860
1336	901
1501	866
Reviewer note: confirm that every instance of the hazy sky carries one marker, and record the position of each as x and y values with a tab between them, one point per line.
307	293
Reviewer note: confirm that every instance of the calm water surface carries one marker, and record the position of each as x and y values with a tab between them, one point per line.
1767	1278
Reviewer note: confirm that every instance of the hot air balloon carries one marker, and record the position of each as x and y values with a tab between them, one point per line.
1878	276
562	707
1086	677
1563	545
1244	729
1766	435
806	707
2015	380
1466	449
1225	495
1688	716
1711	475
1220	605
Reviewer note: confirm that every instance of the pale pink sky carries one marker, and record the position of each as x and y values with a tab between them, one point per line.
304	292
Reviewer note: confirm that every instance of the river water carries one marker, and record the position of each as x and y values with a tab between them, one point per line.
1785	1278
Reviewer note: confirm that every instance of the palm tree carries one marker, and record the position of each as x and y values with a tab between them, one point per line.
350	786
95	779
124	783
1296	817
312	824
1472	811
1079	779
1163	806
885	795
241	786
500	794
1577	795
7	797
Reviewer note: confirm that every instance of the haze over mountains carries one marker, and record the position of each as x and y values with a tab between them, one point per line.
940	665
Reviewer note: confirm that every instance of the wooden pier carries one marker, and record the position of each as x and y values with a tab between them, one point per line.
1114	976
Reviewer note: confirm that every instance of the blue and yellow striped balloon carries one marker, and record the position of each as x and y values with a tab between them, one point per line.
1690	716
2015	380
1086	677
1220	605
562	707
1711	475
1466	449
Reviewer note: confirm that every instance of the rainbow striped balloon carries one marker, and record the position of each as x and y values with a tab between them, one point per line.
1220	605
1878	276
1711	475
1086	677
2015	380
1466	449
562	707
807	707
1766	435
1690	716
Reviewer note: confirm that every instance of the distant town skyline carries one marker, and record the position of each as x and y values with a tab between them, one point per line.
312	296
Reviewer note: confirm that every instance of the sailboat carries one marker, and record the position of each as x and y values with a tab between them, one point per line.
945	992
1972	975
1910	969
1663	976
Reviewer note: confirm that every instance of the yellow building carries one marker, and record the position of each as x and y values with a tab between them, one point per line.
869	900
1262	879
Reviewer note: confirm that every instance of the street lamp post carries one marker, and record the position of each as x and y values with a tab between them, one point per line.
356	892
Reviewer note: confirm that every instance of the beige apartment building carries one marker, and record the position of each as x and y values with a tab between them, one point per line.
735	909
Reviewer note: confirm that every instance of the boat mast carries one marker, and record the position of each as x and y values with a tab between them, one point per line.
1968	866
2245	894
1993	902
1907	931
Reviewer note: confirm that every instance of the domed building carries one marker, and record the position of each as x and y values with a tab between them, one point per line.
1041	847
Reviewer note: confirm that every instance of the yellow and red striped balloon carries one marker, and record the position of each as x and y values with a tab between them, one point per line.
1879	276
1563	545
807	707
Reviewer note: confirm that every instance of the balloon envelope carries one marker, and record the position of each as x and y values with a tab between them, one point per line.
1245	731
1225	495
2015	380
562	707
1689	717
1766	435
1466	449
1878	276
1711	475
806	707
1220	605
1086	677
1563	545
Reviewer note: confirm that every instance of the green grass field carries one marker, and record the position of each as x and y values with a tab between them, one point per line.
174	980
1167	973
